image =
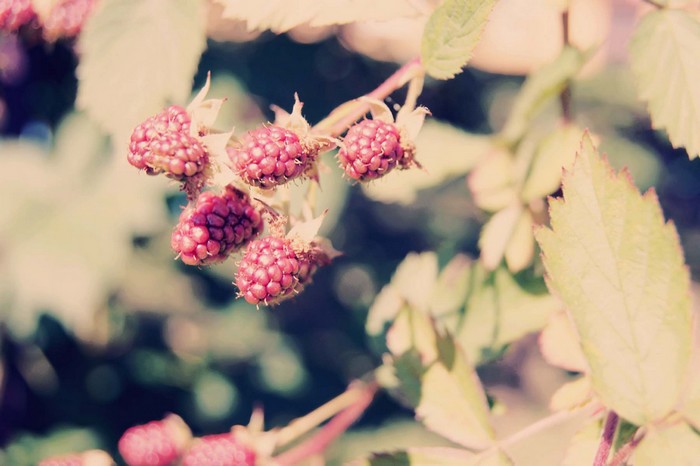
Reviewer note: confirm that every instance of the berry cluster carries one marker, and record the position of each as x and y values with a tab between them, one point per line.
64	18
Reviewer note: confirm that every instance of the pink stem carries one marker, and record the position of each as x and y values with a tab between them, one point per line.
601	457
624	452
318	442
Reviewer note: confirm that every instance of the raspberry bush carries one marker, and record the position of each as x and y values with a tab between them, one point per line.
520	296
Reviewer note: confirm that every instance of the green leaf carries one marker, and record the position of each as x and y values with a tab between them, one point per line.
451	35
282	15
619	270
138	55
542	86
663	54
678	445
502	308
443	151
433	456
583	446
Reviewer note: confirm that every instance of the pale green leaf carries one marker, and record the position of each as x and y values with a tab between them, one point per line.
583	446
137	56
282	15
520	249
497	233
619	270
493	182
677	445
559	344
444	153
451	35
451	287
412	330
543	85
572	394
663	53
436	456
500	309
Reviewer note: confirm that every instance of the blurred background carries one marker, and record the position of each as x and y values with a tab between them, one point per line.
100	329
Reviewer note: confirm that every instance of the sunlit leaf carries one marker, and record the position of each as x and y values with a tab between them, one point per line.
559	344
500	309
493	181
443	151
619	270
138	55
663	54
282	15
433	456
451	35
520	249
572	394
678	445
584	445
543	85
497	233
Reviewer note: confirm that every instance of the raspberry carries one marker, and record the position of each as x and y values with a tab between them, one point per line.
88	458
219	450
215	226
270	156
162	144
371	149
15	13
272	271
66	18
158	443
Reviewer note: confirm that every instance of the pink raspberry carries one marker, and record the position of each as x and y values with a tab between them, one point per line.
371	149
66	18
215	226
219	450
15	13
270	156
272	271
88	458
157	443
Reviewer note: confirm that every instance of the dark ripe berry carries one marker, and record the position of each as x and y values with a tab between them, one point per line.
66	18
162	144
88	458
216	226
371	149
270	156
219	450
15	13
157	443
272	271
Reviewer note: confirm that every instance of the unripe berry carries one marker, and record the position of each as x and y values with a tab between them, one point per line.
15	14
215	226
157	443
272	270
88	458
270	156
66	18
371	149
219	450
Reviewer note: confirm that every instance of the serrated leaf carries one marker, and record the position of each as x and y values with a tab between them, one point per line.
619	270
433	456
120	80
678	445
541	86
663	55
282	15
443	151
500	309
451	35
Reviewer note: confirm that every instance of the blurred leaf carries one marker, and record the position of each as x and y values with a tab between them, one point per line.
560	346
690	406
541	86
493	181
28	450
121	81
450	290
413	330
443	151
584	445
497	233
500	309
643	162
451	34
433	456
619	270
663	55
282	15
678	445
520	249
572	394
556	151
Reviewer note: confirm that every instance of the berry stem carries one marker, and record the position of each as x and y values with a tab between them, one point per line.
355	393
601	457
318	442
345	115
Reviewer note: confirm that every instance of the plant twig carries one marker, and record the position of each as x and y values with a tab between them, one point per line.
565	96
606	440
318	442
626	450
